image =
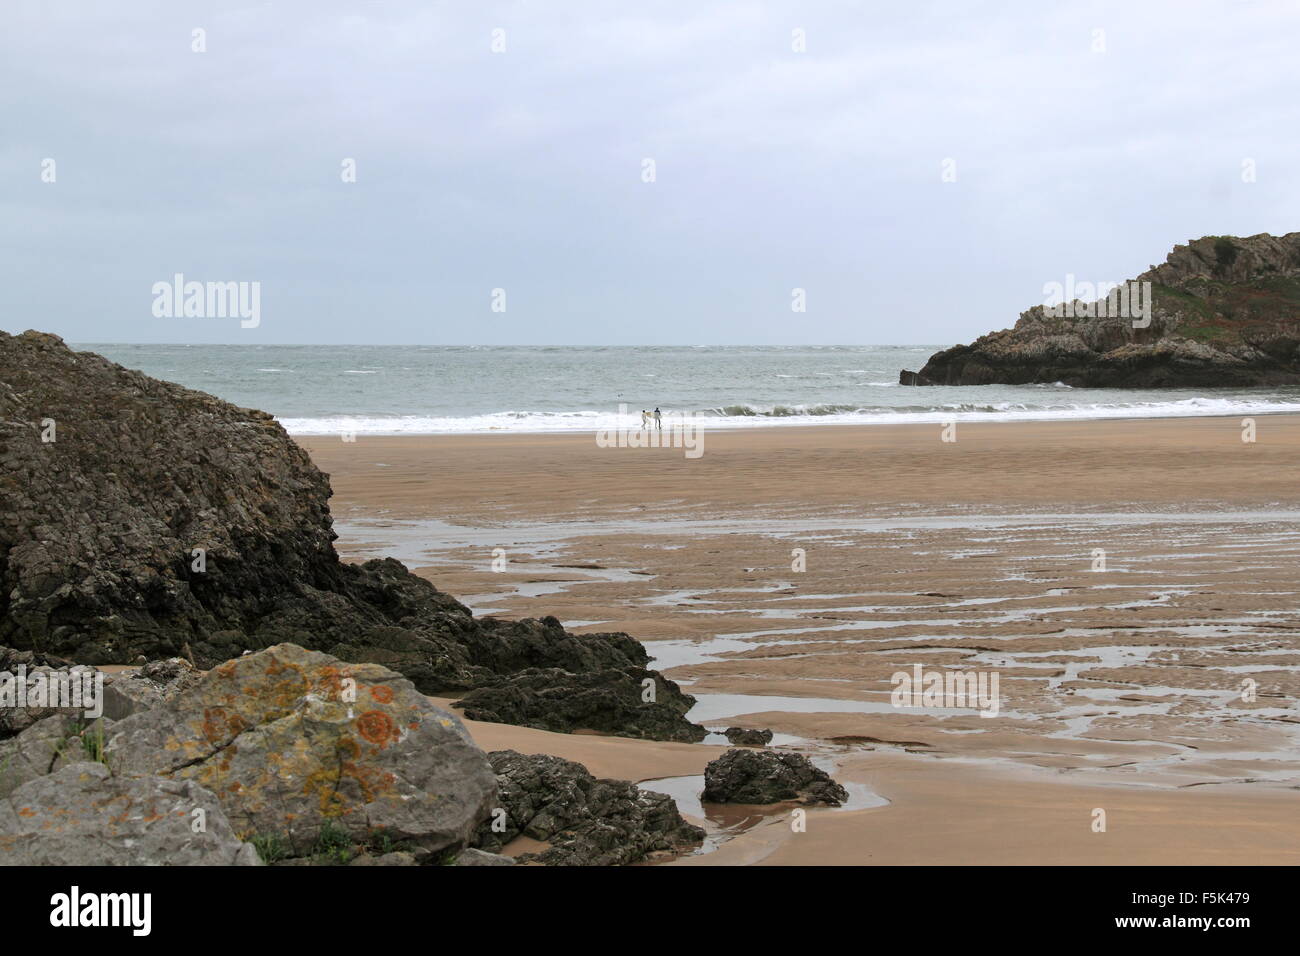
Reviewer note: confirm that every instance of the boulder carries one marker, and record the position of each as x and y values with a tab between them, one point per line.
82	815
395	858
47	746
609	701
472	857
748	737
299	746
585	821
768	776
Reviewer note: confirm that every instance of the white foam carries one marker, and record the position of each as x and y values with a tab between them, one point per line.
591	420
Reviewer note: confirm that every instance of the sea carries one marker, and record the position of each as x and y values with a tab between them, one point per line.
424	389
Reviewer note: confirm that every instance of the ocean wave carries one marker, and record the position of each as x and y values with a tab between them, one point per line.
748	416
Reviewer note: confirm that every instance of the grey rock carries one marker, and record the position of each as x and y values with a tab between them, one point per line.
768	776
82	815
48	678
295	743
129	693
124	696
586	821
609	701
748	737
396	858
48	745
473	857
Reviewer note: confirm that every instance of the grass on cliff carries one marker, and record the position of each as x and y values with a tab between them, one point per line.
1221	312
1169	299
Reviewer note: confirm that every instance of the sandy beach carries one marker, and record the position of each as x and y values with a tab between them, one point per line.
1131	585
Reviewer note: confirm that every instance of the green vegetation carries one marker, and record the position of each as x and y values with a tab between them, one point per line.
1206	333
1169	299
1221	313
92	743
270	848
90	738
333	846
1280	286
381	842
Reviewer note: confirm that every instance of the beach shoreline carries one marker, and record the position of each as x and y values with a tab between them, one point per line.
346	424
1120	685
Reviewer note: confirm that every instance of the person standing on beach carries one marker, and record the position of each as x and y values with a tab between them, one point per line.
645	419
658	421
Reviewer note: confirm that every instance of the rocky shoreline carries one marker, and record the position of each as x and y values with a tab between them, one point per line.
283	693
1224	312
158	522
292	757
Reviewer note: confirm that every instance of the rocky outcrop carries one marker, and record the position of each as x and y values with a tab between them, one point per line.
626	702
1225	312
584	821
768	776
748	737
83	815
142	519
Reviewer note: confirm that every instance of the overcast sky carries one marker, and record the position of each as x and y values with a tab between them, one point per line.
523	170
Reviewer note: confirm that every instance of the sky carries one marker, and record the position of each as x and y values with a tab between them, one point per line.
919	170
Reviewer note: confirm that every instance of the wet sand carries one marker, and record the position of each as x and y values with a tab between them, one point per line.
1131	584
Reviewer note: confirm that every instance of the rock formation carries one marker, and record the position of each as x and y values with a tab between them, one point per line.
584	821
768	776
610	701
1226	312
142	519
85	816
294	742
748	736
292	758
304	756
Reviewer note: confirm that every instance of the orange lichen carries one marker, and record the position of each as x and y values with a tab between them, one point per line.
378	728
219	726
330	682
